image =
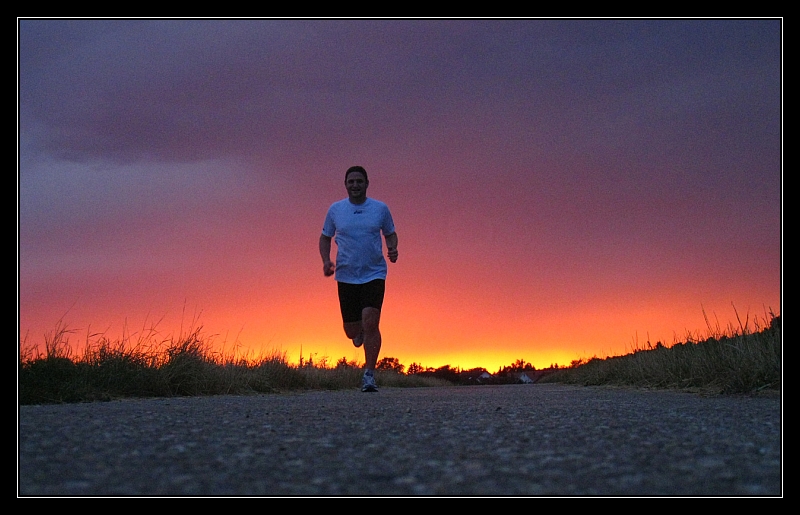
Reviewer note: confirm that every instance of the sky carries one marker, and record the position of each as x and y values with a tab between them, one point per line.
562	189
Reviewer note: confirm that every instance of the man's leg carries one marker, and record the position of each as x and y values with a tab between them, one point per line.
370	320
354	331
350	305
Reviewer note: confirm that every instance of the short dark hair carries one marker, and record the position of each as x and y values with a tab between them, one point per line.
359	169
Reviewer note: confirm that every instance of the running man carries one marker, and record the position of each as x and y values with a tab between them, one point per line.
357	223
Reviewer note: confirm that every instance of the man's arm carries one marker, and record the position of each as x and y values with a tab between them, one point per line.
325	252
391	245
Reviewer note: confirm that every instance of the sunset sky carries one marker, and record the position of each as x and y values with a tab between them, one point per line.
561	189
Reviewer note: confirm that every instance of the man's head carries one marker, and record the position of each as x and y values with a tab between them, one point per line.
359	169
356	182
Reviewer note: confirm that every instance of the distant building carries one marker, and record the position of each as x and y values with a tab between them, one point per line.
475	376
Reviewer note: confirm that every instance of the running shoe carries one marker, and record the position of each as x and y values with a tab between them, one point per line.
368	384
358	340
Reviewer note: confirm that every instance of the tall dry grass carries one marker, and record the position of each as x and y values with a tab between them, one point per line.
147	366
739	359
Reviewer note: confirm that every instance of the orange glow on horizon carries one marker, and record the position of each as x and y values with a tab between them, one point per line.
437	311
413	332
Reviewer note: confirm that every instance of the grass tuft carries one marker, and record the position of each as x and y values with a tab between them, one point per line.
737	360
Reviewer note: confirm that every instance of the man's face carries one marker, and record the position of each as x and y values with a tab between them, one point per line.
356	186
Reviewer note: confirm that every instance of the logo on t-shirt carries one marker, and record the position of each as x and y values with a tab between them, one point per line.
358	211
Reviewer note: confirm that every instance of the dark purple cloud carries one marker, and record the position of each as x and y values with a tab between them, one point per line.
193	89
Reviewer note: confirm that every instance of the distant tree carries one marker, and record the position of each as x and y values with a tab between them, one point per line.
515	368
343	363
474	371
520	365
447	373
414	368
388	363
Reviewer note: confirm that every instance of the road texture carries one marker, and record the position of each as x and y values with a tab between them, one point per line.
513	440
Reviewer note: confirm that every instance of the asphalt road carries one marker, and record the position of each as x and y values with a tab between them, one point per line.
520	440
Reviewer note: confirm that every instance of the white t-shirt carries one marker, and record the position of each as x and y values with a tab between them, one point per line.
357	230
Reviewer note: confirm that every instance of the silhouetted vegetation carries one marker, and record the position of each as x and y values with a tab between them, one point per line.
518	372
185	366
733	361
739	360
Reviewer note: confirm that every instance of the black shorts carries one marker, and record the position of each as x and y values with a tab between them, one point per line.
353	298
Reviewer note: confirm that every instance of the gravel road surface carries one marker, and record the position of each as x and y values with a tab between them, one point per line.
513	440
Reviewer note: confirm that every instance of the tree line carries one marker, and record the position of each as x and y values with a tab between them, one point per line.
508	374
